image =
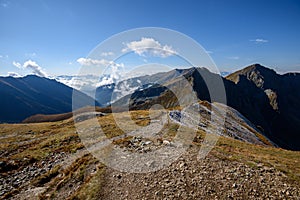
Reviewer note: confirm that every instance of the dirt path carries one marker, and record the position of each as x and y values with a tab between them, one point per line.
210	178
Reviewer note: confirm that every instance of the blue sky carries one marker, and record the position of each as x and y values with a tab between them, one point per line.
54	34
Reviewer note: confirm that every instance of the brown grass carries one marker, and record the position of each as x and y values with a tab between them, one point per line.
284	160
76	174
46	177
23	144
59	117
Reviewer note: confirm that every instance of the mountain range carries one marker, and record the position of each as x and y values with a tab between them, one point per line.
268	100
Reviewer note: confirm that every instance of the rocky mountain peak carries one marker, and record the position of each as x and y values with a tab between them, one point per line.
256	73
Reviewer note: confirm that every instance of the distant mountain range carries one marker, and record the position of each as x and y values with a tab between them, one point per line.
29	95
268	100
85	83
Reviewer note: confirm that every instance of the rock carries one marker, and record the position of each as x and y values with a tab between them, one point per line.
119	176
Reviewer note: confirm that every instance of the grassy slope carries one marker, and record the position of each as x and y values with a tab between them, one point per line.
59	117
24	144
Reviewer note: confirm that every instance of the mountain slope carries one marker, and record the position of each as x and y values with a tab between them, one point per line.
26	96
282	93
268	100
109	93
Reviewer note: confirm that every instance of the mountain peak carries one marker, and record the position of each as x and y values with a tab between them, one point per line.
256	73
259	68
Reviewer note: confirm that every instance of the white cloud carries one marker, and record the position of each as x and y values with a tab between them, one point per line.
31	65
113	71
13	74
84	83
114	76
34	67
209	52
259	41
91	62
106	54
16	64
122	90
150	46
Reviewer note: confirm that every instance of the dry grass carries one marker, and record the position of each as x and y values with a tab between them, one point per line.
59	117
74	178
45	178
90	190
284	160
260	136
23	144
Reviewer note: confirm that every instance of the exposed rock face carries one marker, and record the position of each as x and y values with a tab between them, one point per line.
235	125
273	98
259	75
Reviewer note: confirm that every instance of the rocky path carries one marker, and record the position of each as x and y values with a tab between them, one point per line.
186	178
210	178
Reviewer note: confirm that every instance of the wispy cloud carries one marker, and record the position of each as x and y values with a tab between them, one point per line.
31	65
149	46
106	54
209	52
93	62
259	41
13	74
16	64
